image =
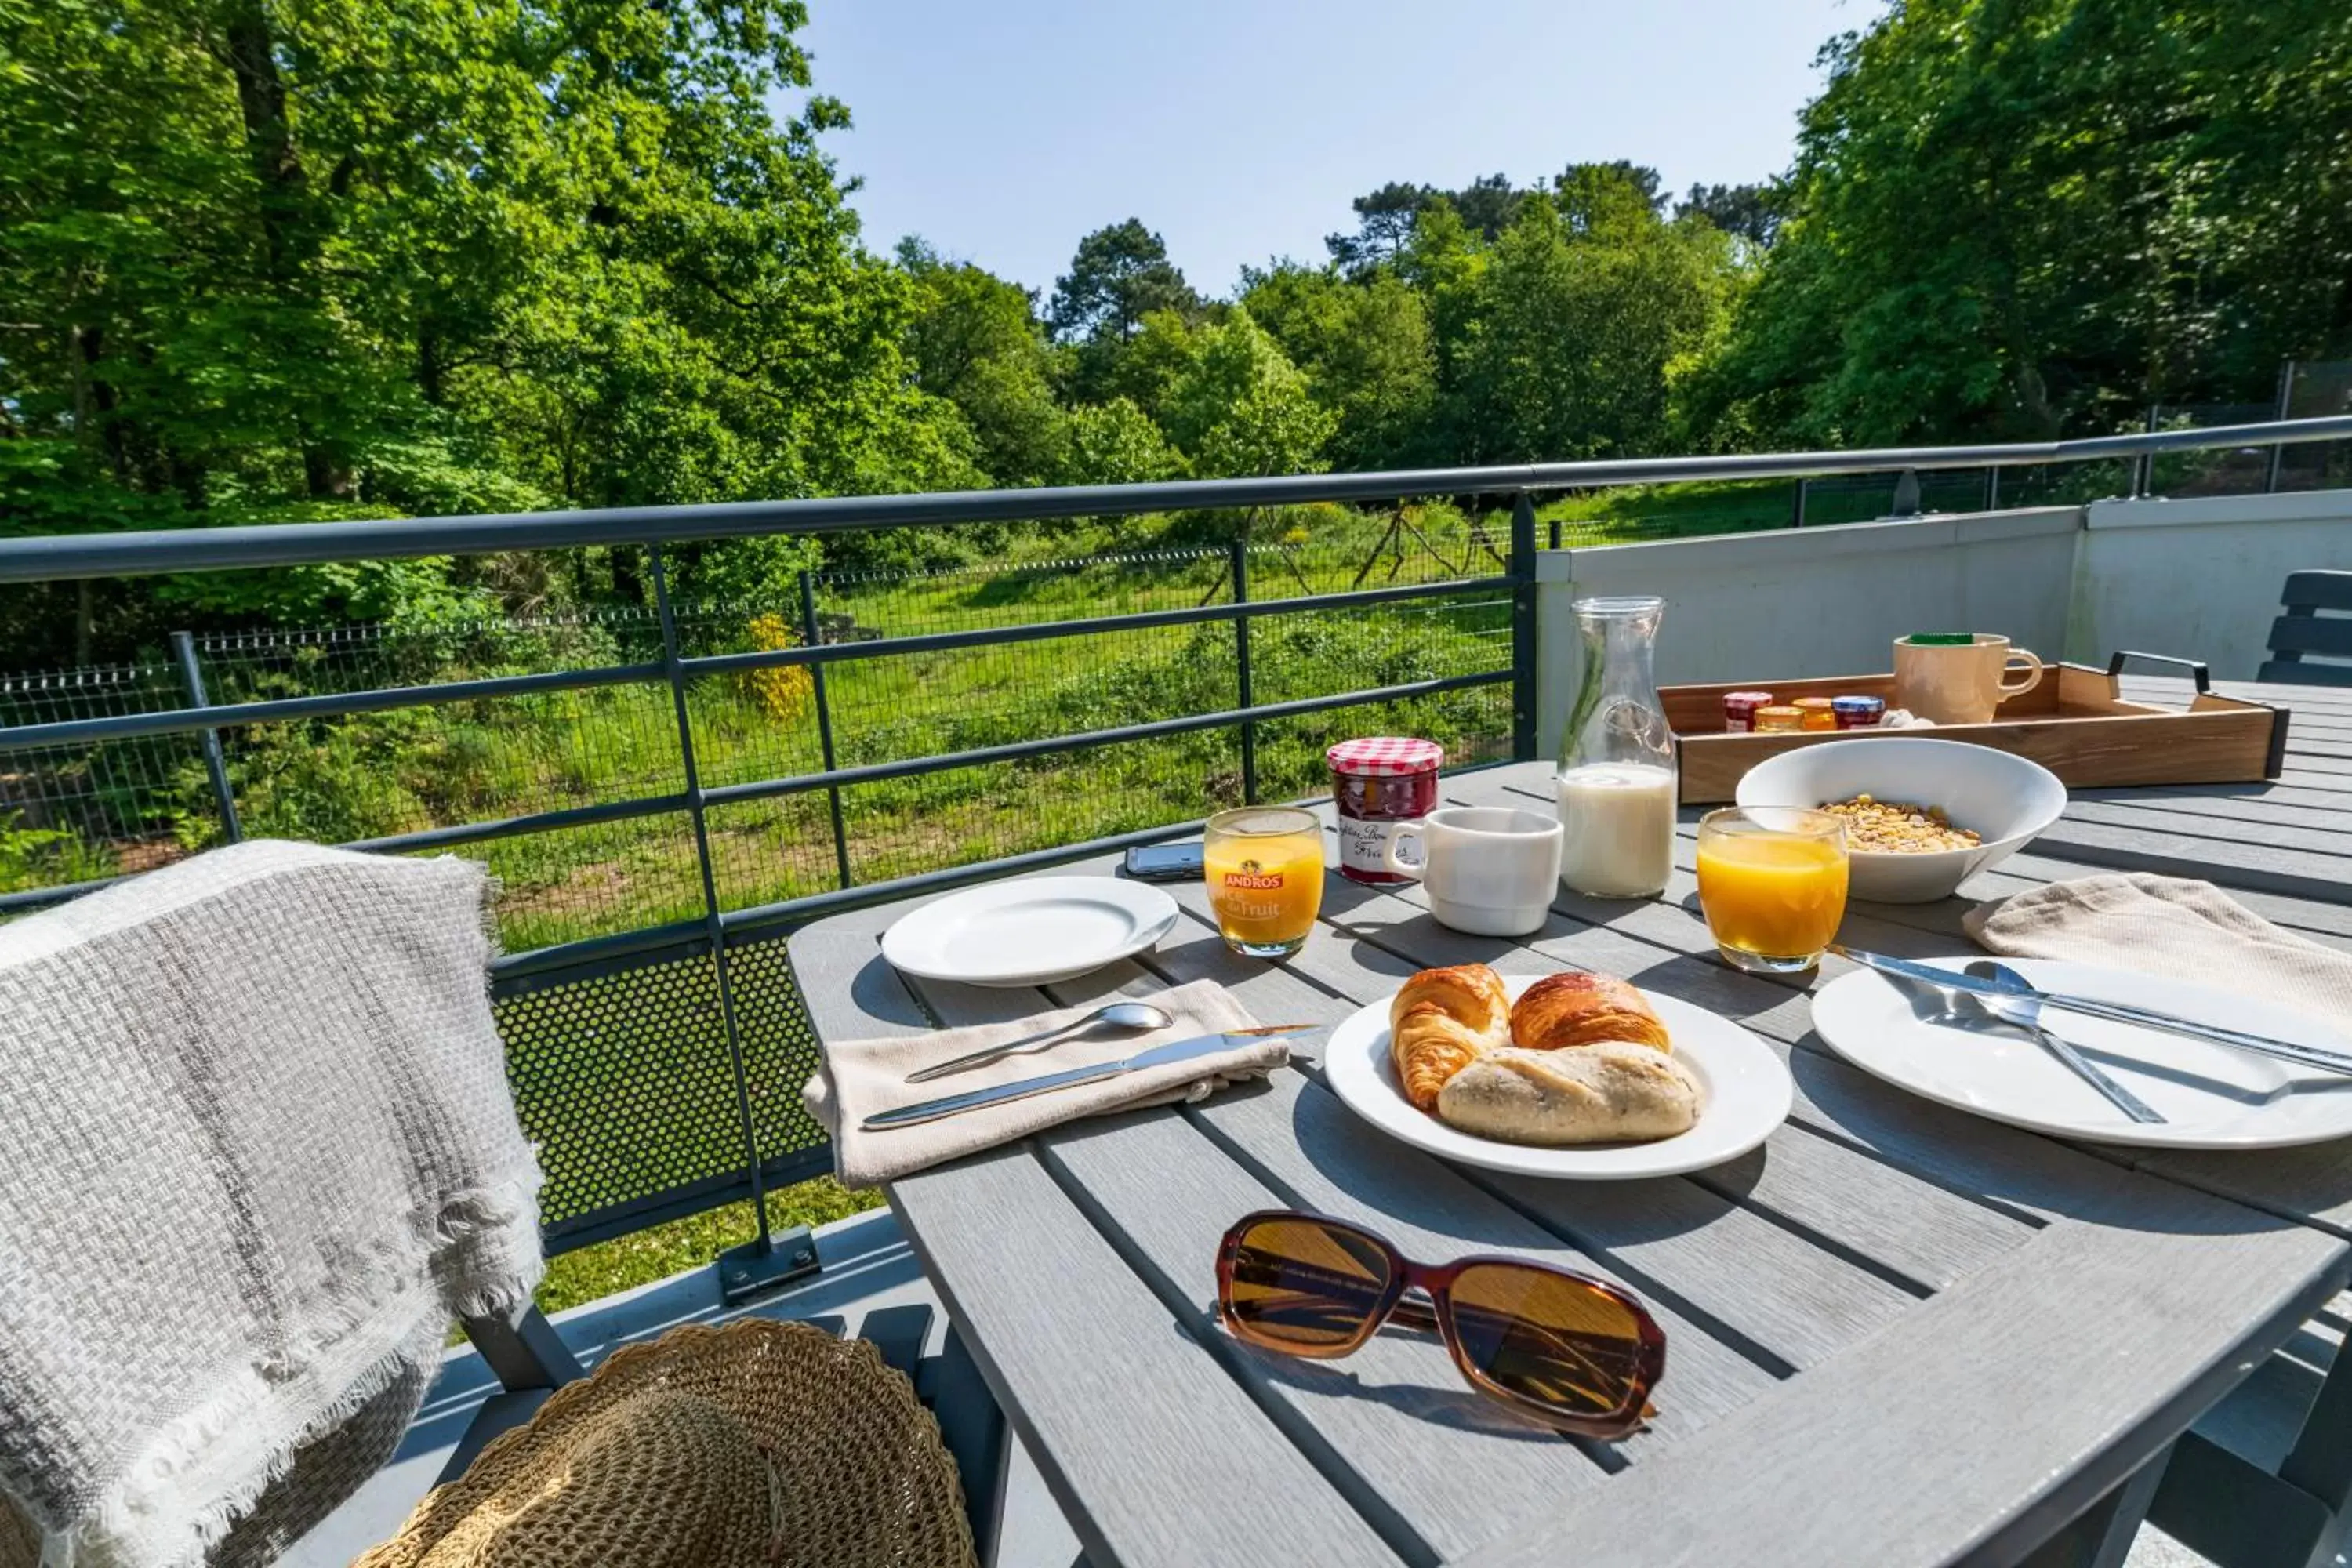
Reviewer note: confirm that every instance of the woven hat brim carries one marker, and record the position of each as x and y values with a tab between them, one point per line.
862	1478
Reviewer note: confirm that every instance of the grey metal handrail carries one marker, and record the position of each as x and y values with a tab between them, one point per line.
717	930
60	557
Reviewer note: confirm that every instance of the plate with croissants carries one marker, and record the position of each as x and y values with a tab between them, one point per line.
1582	1076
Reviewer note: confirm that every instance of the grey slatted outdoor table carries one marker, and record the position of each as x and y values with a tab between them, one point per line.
1897	1334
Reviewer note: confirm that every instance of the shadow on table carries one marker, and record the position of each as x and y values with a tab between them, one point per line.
1440	1405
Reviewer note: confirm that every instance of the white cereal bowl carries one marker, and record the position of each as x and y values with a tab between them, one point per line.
2006	800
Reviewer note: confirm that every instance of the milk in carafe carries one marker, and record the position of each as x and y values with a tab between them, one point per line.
1617	786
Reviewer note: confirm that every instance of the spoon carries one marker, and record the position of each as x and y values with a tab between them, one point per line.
1118	1015
2025	1013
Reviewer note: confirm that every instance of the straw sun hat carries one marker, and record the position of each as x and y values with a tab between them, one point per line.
758	1443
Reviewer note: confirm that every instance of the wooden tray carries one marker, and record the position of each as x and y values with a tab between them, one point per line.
2074	722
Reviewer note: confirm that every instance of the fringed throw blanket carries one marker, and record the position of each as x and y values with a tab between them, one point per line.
256	1147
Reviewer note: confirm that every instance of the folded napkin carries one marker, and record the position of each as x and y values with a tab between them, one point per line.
860	1078
2167	925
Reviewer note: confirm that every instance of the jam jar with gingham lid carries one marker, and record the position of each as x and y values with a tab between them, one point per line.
1376	781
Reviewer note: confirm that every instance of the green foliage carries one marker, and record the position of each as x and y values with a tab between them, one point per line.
1241	407
271	262
1575	321
1120	279
1119	274
2014	219
1368	352
45	856
1116	443
294	260
975	340
1751	213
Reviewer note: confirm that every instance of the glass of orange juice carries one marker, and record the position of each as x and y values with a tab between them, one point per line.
1265	868
1772	882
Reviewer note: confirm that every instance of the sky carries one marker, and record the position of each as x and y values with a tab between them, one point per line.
1003	131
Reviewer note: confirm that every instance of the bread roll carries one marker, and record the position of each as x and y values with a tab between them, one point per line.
1611	1092
1564	1010
1470	993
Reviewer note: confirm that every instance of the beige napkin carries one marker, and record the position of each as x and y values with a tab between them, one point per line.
2167	925
860	1078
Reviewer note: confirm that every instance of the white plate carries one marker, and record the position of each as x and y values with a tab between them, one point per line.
2212	1097
1744	1087
1029	932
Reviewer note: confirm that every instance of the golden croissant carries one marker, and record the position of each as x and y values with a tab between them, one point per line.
1564	1010
1428	1048
1440	1021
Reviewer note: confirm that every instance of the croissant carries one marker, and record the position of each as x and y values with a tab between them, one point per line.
1427	1048
1470	993
1607	1093
1563	1010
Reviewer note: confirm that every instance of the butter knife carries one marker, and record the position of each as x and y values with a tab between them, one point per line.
2000	999
1045	1083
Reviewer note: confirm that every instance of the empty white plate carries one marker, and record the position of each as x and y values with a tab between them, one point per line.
2212	1097
1745	1087
1031	931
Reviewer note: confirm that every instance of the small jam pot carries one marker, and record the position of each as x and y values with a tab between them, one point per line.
1376	781
1858	713
1739	711
1778	720
1817	711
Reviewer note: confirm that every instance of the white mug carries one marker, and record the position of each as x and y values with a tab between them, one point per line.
1490	869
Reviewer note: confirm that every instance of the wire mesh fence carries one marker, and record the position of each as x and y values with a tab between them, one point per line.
80	812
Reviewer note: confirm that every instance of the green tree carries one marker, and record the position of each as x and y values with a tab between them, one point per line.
2024	217
1752	212
1116	443
1367	350
1119	274
1243	408
1119	279
277	260
975	340
1619	196
1144	368
1384	221
1581	325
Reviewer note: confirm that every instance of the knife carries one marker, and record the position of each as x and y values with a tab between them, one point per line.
1045	1083
1993	993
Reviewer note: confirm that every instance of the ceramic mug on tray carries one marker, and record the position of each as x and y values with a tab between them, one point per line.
1960	683
1489	869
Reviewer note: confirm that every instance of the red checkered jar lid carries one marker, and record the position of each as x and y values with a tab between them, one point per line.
1385	757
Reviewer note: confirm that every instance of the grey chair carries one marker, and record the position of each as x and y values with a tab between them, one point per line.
2304	630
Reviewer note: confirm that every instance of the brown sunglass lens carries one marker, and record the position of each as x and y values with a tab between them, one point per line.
1297	1282
1554	1341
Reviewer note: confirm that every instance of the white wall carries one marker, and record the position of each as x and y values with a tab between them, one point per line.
1815	601
2197	577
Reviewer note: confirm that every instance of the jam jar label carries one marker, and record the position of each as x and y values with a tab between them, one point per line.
1363	846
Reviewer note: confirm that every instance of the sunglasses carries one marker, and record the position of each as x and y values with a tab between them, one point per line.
1577	1354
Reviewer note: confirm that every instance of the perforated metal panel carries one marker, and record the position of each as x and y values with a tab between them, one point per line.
621	1076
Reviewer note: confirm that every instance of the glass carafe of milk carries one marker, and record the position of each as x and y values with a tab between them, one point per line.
1617	759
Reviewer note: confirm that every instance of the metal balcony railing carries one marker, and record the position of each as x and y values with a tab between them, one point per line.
716	985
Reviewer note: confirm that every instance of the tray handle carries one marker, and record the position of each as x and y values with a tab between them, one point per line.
2196	670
